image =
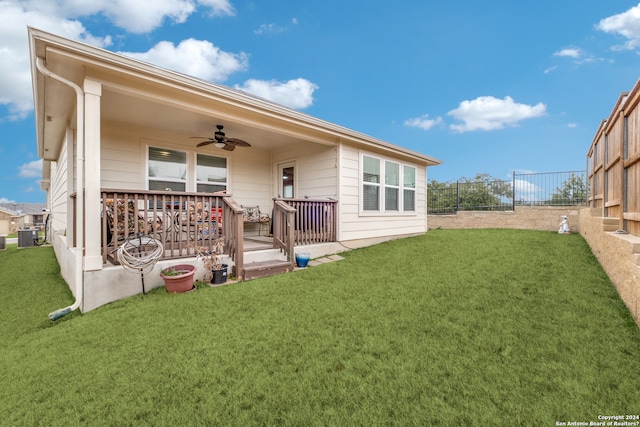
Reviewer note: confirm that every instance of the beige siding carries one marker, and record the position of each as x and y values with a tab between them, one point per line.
355	224
58	191
254	178
124	161
316	169
251	177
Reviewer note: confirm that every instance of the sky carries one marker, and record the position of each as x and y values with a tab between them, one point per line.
492	87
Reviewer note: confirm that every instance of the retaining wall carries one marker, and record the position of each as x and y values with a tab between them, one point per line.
524	217
618	254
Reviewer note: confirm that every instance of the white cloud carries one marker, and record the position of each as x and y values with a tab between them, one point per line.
198	58
31	170
526	191
295	94
569	52
423	122
274	28
489	113
626	24
219	7
15	85
61	17
572	125
133	16
5	201
270	29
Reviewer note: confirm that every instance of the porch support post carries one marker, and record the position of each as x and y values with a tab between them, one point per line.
93	256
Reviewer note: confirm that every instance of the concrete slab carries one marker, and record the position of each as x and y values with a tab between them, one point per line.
324	260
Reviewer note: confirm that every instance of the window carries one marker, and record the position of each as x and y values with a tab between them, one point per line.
409	188
397	193
371	184
287	181
167	169
391	186
211	174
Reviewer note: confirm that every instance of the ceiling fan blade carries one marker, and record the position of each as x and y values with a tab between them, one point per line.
238	142
203	143
229	147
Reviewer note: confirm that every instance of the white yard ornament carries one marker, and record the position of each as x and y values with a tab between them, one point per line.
564	226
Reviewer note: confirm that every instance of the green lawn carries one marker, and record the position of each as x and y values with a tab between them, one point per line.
454	328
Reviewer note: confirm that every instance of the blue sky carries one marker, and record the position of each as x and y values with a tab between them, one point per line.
488	87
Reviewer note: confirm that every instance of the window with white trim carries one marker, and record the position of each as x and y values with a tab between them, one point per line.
211	173
409	188
387	186
370	184
391	186
167	169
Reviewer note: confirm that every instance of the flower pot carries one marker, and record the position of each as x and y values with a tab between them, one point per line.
302	259
219	276
182	282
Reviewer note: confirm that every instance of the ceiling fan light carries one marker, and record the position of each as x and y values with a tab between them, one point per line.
220	144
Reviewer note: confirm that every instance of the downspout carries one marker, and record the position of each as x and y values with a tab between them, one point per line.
79	214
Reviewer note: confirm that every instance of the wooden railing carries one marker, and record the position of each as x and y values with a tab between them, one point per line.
283	234
233	232
185	221
181	221
304	222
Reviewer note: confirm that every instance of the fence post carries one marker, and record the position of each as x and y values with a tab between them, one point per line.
513	194
457	196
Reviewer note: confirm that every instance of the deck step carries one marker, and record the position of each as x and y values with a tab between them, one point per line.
255	270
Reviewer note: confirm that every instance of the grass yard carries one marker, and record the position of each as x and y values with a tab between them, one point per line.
454	328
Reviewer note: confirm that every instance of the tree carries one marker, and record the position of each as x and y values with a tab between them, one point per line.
572	192
483	192
441	197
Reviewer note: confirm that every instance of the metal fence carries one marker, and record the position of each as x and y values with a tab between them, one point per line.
535	189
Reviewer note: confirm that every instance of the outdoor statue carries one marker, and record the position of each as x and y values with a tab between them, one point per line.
564	226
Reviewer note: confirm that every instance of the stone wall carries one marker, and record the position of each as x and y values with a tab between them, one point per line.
524	217
618	254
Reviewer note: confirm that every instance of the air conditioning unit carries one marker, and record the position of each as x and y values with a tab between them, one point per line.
26	238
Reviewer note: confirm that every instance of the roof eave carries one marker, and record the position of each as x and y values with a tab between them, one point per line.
105	58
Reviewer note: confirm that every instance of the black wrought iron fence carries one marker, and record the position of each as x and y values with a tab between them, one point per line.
551	189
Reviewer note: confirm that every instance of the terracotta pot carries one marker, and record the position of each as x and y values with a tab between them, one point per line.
181	282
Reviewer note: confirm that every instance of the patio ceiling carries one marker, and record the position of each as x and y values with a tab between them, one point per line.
126	109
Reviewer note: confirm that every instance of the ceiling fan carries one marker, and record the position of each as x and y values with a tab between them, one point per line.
221	141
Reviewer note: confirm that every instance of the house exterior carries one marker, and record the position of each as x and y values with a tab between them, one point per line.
21	216
117	139
7	221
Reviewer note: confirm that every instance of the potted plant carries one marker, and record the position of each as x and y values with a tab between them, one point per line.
178	278
302	259
212	263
